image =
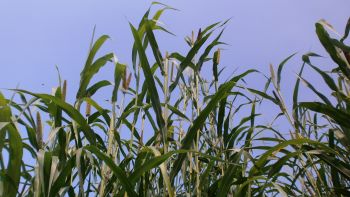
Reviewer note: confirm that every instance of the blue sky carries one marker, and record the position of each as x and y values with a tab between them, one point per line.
37	35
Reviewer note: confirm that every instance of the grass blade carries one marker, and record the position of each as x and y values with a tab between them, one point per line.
13	171
116	169
150	84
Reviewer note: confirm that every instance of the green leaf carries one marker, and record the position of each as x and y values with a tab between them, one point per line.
199	121
119	71
330	82
347	30
203	57
334	173
101	111
96	46
204	178
275	168
221	115
188	60
341	117
319	94
120	173
230	175
93	89
264	95
215	26
274	150
70	110
342	167
151	86
142	29
13	171
177	112
280	67
63	178
306	57
295	99
154	45
152	163
328	45
91	68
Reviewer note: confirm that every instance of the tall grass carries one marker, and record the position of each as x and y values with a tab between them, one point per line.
188	135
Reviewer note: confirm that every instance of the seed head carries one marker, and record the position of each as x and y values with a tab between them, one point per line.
126	81
218	56
199	36
88	109
39	131
192	38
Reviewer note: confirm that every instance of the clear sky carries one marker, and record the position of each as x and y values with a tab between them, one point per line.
37	35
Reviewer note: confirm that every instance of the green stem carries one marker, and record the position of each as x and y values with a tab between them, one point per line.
104	171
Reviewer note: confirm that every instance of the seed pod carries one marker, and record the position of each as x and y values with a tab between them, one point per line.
192	38
124	83
64	90
128	82
216	60
218	56
88	109
199	36
39	131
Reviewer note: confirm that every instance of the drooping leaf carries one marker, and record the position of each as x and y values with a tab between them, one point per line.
328	45
150	83
264	95
347	30
280	67
120	173
71	111
93	89
92	67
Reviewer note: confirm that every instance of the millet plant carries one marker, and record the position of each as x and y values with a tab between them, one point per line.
184	133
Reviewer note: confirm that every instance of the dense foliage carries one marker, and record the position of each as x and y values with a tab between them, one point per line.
170	131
